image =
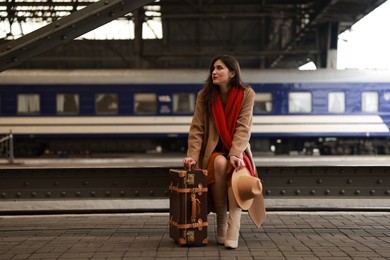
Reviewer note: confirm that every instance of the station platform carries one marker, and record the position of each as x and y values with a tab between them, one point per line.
176	160
284	235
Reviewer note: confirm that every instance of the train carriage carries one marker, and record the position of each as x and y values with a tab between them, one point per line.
116	111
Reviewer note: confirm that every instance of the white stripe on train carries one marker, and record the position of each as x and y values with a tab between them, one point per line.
175	120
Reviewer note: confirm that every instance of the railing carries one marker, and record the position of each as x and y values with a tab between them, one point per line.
7	147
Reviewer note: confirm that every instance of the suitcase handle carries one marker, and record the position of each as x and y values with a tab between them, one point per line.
188	167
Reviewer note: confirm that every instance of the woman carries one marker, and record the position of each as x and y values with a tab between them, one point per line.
219	140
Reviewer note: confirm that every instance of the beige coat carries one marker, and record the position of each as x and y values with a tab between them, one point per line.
198	134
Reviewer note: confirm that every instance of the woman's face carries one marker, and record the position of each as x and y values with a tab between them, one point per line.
221	75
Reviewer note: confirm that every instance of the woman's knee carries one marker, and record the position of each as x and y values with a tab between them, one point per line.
220	164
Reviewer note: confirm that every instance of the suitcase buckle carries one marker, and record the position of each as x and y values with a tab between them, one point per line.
190	179
190	235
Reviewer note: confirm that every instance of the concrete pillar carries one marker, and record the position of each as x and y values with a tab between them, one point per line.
332	50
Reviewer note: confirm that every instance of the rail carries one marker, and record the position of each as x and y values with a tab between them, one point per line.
7	147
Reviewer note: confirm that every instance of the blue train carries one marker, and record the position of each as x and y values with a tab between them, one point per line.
88	112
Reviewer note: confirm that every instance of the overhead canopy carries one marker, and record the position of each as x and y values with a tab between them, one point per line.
261	34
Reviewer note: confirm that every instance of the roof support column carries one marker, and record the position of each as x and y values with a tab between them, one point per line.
332	52
139	17
327	45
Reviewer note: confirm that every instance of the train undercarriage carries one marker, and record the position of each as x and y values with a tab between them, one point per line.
331	146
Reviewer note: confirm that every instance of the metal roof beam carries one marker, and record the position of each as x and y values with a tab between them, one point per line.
65	30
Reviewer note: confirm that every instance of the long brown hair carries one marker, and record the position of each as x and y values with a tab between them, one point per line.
232	64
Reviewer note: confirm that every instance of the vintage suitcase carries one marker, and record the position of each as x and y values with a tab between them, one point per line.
188	207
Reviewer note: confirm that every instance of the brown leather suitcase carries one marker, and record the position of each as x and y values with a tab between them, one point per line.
188	207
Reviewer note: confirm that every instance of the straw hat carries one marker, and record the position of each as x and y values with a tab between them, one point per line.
247	191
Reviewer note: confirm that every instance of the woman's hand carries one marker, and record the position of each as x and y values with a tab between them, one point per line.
237	162
188	162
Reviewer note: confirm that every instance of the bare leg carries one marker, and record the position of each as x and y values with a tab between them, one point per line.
219	191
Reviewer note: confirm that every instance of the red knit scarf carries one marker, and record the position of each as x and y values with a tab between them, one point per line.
226	119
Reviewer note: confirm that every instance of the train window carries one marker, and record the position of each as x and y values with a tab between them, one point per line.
299	102
370	101
106	103
263	103
68	103
145	103
336	102
28	104
183	103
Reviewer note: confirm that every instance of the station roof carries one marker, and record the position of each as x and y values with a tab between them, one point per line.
261	34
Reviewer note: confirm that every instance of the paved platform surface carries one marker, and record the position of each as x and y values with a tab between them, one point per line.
284	235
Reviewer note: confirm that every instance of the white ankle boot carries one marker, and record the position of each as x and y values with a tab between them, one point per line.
231	241
221	225
233	230
220	205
